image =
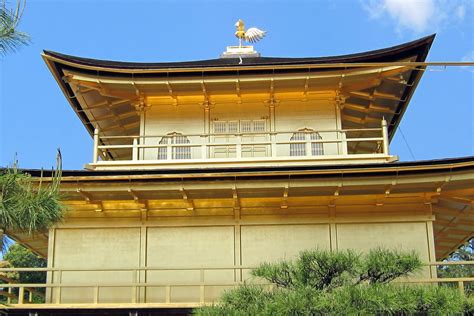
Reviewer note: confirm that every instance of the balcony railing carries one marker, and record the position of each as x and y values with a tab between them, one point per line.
87	291
301	145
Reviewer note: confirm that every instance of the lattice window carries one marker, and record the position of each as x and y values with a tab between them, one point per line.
259	126
248	128
220	127
317	149
177	152
299	149
233	126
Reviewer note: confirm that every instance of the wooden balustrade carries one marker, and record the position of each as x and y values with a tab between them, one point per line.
275	144
57	286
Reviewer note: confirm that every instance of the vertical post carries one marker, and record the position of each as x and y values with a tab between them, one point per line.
141	140
201	288
168	294
135	149
58	292
58	295
344	143
461	287
134	293
272	130
30	296
273	144
207	129
169	150
338	106
21	294
134	286
96	145
50	275
9	298
204	149
238	147
385	136
307	138
96	294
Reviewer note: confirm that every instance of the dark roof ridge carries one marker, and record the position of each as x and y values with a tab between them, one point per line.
373	55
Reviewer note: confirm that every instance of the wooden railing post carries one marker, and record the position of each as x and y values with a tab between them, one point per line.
58	289
385	136
168	294
238	147
204	147
9	298
201	288
21	294
96	294
58	295
344	143
95	156
461	287
308	144
135	149
273	145
169	152
135	280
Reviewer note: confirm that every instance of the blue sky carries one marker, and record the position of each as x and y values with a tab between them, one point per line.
35	117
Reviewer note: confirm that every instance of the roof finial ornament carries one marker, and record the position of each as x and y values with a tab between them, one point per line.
252	35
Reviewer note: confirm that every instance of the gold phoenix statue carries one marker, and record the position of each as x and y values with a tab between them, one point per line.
252	35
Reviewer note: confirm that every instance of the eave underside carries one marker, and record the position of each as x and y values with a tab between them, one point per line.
446	193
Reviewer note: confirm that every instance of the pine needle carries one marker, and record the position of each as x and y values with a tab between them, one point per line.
26	206
10	38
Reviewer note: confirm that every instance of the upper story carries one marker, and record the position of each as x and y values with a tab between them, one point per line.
242	111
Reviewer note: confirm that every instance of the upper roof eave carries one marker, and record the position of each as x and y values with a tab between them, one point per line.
418	47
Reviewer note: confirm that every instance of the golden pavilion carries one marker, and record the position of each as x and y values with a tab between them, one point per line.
201	170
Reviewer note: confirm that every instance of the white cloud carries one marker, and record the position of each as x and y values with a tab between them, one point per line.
416	15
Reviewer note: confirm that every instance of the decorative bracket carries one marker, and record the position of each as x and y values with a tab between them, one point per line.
340	99
207	104
140	105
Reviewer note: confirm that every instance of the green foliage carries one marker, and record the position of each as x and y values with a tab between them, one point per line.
464	253
364	299
18	256
283	274
340	283
10	38
469	305
317	269
325	270
21	257
383	266
28	205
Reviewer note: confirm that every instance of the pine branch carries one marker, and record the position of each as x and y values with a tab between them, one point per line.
10	38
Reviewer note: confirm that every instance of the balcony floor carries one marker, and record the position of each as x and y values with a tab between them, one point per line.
241	162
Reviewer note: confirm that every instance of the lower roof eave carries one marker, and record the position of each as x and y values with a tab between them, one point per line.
420	166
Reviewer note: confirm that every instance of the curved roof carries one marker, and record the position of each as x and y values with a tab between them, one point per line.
419	47
382	91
